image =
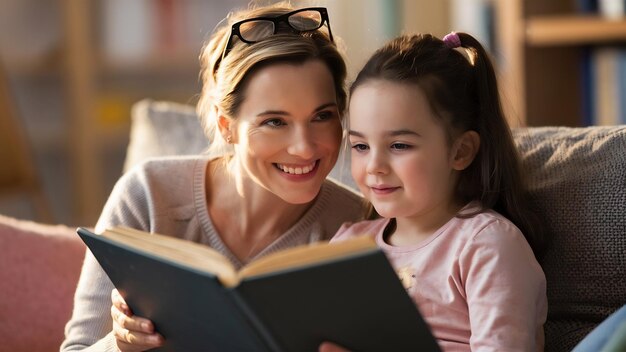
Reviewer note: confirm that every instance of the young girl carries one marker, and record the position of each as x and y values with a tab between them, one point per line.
432	152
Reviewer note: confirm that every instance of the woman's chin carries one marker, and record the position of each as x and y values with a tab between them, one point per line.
300	197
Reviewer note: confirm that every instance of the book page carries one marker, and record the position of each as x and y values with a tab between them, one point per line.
306	255
184	252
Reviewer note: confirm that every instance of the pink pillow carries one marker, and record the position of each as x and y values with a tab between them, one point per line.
39	269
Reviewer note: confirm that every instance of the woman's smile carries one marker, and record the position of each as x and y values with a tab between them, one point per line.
297	169
302	172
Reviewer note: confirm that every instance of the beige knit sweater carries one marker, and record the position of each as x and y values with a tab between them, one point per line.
167	196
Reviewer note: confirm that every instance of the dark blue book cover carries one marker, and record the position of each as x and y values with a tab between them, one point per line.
352	297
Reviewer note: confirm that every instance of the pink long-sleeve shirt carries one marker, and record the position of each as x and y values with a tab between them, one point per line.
475	281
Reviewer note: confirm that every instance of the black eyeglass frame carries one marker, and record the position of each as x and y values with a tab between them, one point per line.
234	30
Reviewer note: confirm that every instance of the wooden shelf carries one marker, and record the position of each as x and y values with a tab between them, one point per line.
172	64
544	49
96	75
573	30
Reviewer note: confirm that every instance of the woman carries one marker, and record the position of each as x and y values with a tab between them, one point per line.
271	104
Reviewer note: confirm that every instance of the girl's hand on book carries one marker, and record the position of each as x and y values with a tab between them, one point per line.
331	347
132	333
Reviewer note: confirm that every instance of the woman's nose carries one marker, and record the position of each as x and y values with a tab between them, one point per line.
302	143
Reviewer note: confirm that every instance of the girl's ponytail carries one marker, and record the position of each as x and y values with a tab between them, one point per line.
503	184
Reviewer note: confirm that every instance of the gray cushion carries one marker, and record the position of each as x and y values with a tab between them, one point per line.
578	184
161	129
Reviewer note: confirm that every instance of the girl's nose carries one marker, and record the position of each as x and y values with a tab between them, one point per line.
376	164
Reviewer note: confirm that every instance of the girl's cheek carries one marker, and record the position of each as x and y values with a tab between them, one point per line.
358	169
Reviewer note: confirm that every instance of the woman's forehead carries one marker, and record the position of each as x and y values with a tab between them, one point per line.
287	86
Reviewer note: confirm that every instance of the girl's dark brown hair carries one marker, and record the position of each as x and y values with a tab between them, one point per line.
463	93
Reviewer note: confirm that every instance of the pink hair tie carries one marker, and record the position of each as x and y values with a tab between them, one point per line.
452	40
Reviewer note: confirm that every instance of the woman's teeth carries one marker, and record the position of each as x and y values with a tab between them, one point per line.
296	170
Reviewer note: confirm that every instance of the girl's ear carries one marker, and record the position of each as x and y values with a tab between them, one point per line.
464	150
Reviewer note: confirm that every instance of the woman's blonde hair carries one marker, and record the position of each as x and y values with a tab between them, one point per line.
224	80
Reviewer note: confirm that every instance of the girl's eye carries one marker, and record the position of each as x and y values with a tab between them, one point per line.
400	146
360	147
273	122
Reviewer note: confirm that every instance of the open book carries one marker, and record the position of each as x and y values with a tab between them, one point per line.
292	300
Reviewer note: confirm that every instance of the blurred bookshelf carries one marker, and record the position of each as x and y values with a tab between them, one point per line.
554	62
76	91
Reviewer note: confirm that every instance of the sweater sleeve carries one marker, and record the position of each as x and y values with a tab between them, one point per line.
506	290
90	326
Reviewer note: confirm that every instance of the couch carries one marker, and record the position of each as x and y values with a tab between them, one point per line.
578	184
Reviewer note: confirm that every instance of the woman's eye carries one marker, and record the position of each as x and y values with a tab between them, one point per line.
324	115
400	146
273	122
359	147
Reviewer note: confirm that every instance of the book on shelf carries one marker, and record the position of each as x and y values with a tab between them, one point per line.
292	300
609	9
612	9
605	86
621	72
127	34
167	31
609	85
603	82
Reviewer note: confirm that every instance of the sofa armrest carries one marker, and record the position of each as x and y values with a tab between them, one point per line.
39	270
